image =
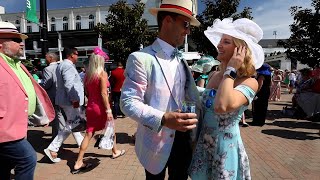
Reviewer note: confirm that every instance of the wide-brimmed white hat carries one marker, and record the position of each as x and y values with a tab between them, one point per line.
9	29
183	7
244	29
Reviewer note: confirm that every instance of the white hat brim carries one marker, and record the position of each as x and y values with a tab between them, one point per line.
22	36
193	20
257	52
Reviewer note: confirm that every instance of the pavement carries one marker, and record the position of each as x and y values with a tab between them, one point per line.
284	148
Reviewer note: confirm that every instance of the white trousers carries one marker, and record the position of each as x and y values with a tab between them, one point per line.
63	134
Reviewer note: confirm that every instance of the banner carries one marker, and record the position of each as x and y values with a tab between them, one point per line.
31	12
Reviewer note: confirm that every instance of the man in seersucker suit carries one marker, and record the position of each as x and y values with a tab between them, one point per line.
157	81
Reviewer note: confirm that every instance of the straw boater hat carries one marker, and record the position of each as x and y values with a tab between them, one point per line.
244	29
9	30
183	7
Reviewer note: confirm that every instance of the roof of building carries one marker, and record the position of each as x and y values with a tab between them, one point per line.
270	43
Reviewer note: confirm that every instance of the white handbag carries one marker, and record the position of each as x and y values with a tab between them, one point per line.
107	140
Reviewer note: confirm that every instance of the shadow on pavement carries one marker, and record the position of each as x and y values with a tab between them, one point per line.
123	138
296	124
37	140
95	162
288	134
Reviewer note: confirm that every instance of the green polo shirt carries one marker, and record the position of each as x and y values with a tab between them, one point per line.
25	81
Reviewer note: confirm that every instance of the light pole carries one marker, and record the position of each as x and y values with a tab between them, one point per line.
44	28
275	34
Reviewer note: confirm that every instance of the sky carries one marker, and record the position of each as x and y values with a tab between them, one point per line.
270	15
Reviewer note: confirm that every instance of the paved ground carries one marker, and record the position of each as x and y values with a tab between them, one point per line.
284	148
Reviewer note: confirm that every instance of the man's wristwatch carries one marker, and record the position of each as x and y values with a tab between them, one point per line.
230	72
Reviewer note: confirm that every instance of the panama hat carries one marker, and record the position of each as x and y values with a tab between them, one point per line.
244	29
182	7
9	29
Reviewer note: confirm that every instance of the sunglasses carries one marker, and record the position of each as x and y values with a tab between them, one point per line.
17	40
209	102
186	24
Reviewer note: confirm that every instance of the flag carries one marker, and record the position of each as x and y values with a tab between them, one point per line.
31	12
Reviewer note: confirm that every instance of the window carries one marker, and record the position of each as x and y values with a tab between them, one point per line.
18	28
53	19
91	24
17	22
53	27
28	21
78	18
78	25
91	21
65	26
29	29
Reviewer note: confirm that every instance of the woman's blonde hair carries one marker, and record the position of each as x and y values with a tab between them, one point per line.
95	67
247	69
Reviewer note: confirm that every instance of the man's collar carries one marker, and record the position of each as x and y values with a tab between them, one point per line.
53	63
166	47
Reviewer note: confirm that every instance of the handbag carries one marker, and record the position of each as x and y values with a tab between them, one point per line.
39	117
106	141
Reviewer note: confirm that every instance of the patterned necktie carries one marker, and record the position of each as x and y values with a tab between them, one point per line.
176	53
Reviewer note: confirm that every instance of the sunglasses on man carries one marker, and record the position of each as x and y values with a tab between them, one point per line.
17	40
186	24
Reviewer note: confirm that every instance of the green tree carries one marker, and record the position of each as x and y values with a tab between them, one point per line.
125	29
215	9
304	42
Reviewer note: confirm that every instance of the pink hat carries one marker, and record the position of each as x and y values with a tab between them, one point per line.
100	52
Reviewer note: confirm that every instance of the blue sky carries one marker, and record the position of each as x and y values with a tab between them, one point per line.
271	15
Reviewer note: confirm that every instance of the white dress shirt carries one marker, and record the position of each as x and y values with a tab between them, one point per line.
179	74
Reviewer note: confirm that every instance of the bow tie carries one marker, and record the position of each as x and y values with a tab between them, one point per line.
176	53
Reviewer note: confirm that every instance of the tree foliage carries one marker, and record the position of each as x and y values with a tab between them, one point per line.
125	29
215	9
304	42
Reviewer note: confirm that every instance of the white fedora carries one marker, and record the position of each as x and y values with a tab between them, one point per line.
183	7
9	29
244	29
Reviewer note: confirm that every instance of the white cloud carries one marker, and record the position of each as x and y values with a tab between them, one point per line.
274	15
259	8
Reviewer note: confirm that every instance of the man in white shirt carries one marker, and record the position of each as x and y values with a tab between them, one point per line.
292	80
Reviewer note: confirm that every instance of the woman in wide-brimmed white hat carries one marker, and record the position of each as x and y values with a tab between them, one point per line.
220	153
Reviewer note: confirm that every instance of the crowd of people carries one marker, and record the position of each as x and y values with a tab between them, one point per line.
188	122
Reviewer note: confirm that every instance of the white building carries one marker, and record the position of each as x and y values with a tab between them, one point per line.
275	55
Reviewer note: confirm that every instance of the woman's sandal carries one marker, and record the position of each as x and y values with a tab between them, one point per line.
121	154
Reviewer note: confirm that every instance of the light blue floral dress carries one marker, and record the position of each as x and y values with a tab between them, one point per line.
220	153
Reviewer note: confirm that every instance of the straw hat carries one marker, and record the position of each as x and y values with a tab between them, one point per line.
183	7
8	29
244	29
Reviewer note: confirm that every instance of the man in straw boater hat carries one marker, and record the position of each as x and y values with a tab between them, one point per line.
19	94
157	81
